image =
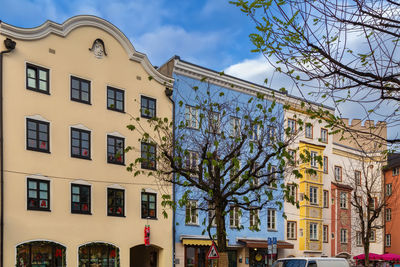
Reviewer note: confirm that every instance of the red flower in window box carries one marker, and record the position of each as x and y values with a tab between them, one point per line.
43	204
58	253
119	210
119	158
112	253
85	152
85	207
42	144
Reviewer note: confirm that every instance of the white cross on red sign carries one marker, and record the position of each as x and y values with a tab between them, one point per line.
212	252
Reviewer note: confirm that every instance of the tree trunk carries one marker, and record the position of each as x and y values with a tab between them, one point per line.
223	260
366	253
221	235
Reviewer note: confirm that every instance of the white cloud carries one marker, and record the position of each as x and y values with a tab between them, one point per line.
167	41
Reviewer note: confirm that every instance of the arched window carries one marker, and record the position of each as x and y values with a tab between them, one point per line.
98	254
41	253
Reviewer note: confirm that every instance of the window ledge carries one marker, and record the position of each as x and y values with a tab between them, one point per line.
149	218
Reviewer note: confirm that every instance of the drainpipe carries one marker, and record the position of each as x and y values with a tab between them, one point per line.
10	45
168	93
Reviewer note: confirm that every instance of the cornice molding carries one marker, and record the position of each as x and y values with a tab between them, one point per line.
50	27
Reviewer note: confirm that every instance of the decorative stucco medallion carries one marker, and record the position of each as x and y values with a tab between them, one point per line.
98	48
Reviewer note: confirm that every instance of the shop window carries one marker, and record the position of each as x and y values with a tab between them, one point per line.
37	137
147	107
38	194
37	79
116	203
80	199
80	143
115	150
149	206
41	254
99	254
115	99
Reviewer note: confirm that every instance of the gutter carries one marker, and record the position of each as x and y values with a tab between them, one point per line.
10	45
168	93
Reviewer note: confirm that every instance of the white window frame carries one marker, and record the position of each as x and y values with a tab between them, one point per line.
338	173
313	195
343	236
395	171
292	191
325	233
214	122
190	204
192	117
255	133
314	231
235	127
292	125
211	215
254	218
388	240
324	135
234	217
326	199
343	200
193	158
309	131
325	164
271	219
358	239
388	214
313	160
388	189
292	154
373	235
291	230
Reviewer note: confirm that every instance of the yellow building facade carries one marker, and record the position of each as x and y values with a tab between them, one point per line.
69	91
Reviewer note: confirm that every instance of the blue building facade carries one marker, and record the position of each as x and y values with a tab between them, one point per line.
247	247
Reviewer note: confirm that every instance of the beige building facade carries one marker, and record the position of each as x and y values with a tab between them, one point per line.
69	91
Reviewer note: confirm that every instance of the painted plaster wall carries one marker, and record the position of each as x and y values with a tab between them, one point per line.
72	57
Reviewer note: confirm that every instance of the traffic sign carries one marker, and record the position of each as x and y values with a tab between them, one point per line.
212	252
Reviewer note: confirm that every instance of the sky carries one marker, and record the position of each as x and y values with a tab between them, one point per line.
210	33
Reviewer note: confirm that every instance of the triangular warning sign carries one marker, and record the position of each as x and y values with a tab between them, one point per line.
213	252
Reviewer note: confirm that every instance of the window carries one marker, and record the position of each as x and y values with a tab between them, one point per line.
149	206
115	202
235	127
372	204
395	171
325	234
372	236
37	78
192	160
80	90
309	131
388	189
148	156
388	215
214	122
272	177
254	132
357	177
115	99
191	213
80	143
358	239
115	150
211	215
147	107
291	231
191	117
254	179
313	231
254	218
343	236
292	191
271	219
388	240
313	160
37	135
234	217
80	199
324	135
343	200
271	134
326	199
338	173
38	194
313	195
292	126
325	164
41	253
292	154
99	254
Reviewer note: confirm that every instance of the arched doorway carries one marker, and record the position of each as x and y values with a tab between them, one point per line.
41	253
144	256
99	254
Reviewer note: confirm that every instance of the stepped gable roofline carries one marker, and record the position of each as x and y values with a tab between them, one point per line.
181	65
51	27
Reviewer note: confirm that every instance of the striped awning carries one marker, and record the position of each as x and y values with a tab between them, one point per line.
196	242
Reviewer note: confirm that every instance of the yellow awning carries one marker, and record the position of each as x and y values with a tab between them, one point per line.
196	242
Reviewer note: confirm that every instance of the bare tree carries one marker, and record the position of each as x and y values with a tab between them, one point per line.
345	51
224	149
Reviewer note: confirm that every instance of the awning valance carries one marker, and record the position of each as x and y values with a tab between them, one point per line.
251	243
196	242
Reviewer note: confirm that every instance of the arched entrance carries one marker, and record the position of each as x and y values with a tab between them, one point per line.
144	256
343	255
41	253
